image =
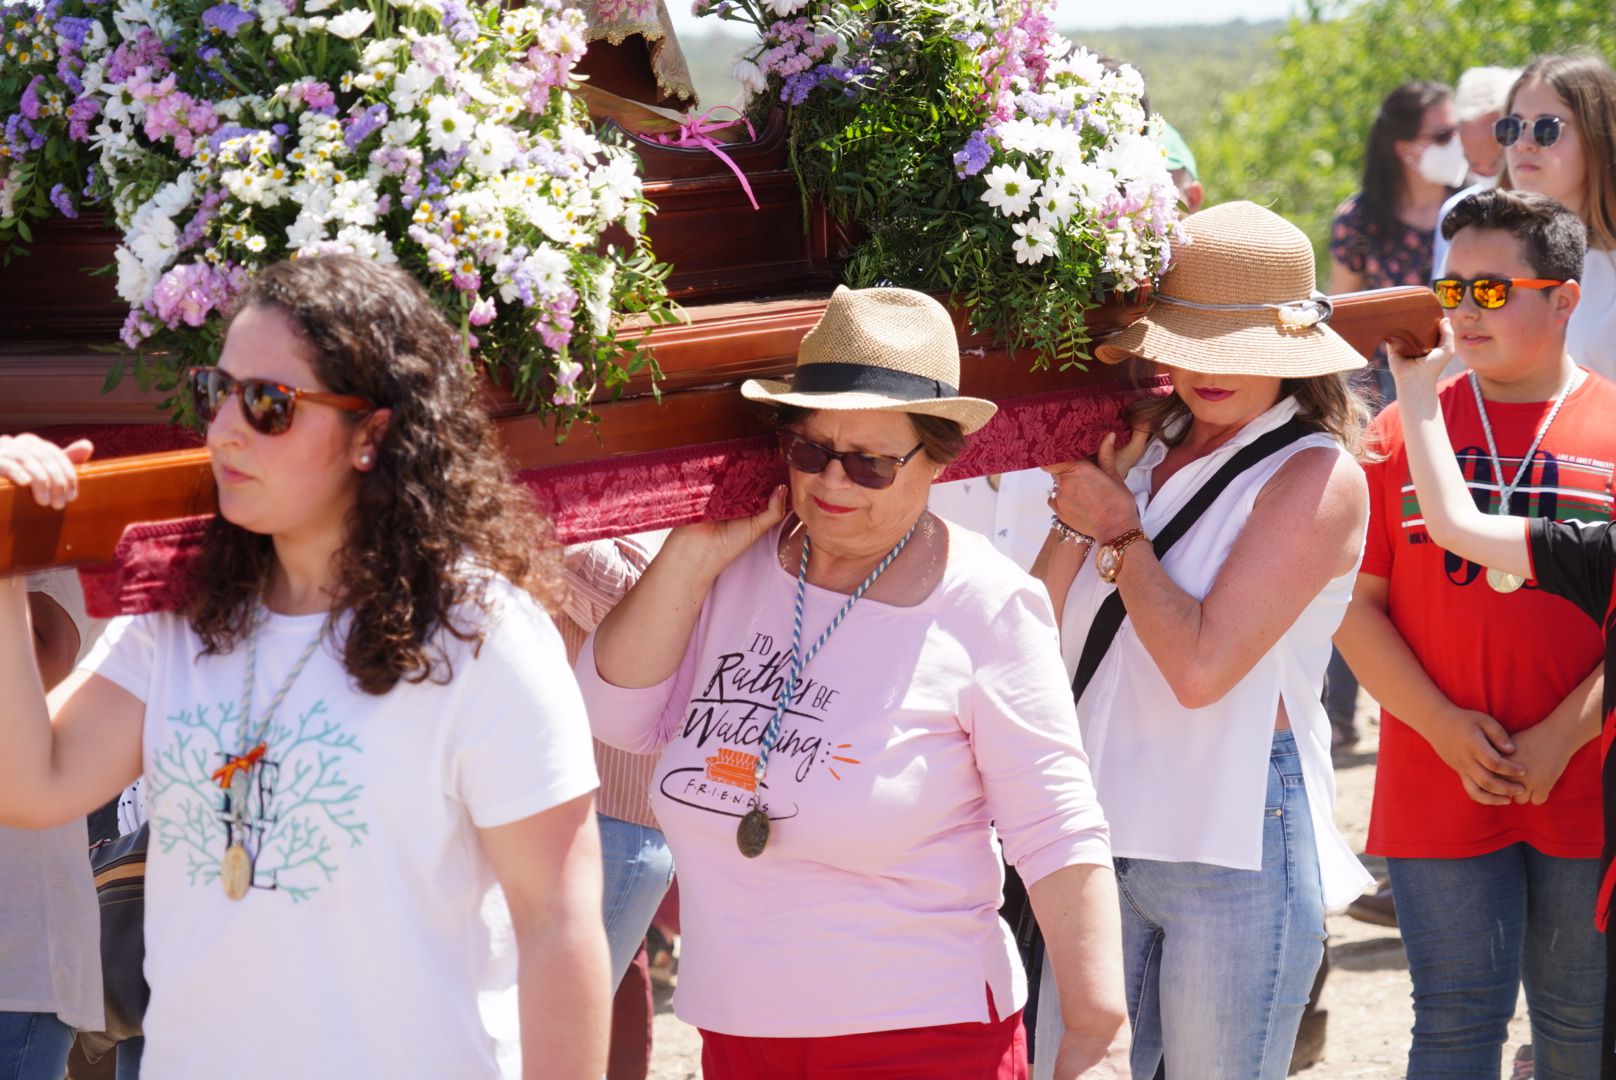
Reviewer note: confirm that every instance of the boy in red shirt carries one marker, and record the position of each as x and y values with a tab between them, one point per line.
1487	790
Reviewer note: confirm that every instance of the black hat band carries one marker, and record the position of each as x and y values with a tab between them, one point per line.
868	379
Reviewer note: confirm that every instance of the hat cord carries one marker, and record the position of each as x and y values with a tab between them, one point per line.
1310	312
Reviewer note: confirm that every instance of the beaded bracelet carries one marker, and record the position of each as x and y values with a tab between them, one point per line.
1068	535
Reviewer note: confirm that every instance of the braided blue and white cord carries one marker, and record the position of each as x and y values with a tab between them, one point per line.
799	662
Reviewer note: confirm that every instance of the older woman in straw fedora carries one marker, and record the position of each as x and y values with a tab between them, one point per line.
1198	574
851	702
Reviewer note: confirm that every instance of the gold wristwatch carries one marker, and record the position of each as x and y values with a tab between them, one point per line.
1108	560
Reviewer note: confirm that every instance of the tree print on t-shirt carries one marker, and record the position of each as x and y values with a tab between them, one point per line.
304	809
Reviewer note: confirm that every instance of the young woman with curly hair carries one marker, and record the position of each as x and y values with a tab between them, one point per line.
362	721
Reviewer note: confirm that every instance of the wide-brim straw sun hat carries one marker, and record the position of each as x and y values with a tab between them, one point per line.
1238	299
878	350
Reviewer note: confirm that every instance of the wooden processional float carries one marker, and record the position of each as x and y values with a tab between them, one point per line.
752	283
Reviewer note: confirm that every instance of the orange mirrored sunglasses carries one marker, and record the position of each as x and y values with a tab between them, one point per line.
1489	293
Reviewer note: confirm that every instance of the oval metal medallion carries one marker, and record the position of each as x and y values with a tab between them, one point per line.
753	834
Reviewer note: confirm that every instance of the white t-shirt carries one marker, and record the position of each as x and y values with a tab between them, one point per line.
1591	333
361	948
50	936
1013	516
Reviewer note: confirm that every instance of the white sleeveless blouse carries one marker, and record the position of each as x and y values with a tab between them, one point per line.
1188	785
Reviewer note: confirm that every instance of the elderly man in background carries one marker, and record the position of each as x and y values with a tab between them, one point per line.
1478	99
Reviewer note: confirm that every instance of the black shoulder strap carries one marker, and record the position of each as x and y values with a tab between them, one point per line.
1112	611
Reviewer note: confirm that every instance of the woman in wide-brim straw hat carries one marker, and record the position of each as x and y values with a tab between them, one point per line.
847	701
1209	746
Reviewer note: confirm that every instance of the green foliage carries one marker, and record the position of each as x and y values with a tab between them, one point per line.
1188	68
1293	138
1096	204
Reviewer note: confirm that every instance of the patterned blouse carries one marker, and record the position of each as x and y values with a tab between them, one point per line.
1401	258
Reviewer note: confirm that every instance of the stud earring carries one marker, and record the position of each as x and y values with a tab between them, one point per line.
364	460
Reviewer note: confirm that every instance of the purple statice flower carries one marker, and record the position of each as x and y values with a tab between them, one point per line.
226	19
21	136
363	125
30	105
137	327
974	156
67	70
459	23
145	51
197	226
72	30
62	199
79	115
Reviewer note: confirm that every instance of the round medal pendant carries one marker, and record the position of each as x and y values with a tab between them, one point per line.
753	834
1504	583
236	872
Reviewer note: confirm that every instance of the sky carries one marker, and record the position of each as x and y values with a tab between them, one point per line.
1095	14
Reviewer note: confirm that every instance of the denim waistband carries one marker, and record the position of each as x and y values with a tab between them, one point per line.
1284	746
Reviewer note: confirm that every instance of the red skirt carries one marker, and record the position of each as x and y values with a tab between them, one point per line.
996	1050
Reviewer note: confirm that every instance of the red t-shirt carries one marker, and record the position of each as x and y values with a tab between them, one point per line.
1512	656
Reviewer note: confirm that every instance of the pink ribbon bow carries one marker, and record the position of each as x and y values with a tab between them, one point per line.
696	131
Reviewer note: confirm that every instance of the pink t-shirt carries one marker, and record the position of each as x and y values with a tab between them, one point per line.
874	907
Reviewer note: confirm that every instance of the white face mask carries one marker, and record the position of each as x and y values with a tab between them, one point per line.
1444	163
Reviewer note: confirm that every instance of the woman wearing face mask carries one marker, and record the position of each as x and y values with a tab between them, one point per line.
1559	137
1382	236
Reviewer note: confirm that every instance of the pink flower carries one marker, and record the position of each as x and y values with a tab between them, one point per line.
190	292
317	95
482	312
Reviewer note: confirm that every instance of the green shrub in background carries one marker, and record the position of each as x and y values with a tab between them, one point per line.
1292	138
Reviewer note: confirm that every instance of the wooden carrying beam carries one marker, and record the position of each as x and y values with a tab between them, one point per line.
703	360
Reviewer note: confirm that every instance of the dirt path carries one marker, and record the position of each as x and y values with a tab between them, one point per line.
1367	993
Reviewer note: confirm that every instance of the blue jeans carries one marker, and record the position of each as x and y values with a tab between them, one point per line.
639	869
1475	929
1219	962
129	1054
33	1046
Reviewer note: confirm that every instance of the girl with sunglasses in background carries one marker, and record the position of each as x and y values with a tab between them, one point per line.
850	703
1559	137
362	721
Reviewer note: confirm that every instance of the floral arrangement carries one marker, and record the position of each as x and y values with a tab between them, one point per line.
983	154
222	136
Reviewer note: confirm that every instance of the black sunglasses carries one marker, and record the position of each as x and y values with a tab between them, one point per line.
875	471
1545	130
267	406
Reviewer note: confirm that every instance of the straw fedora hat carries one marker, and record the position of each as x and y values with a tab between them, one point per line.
1238	300
882	350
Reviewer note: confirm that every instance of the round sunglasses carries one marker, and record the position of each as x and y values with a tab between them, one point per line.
875	471
1488	293
1545	130
267	406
